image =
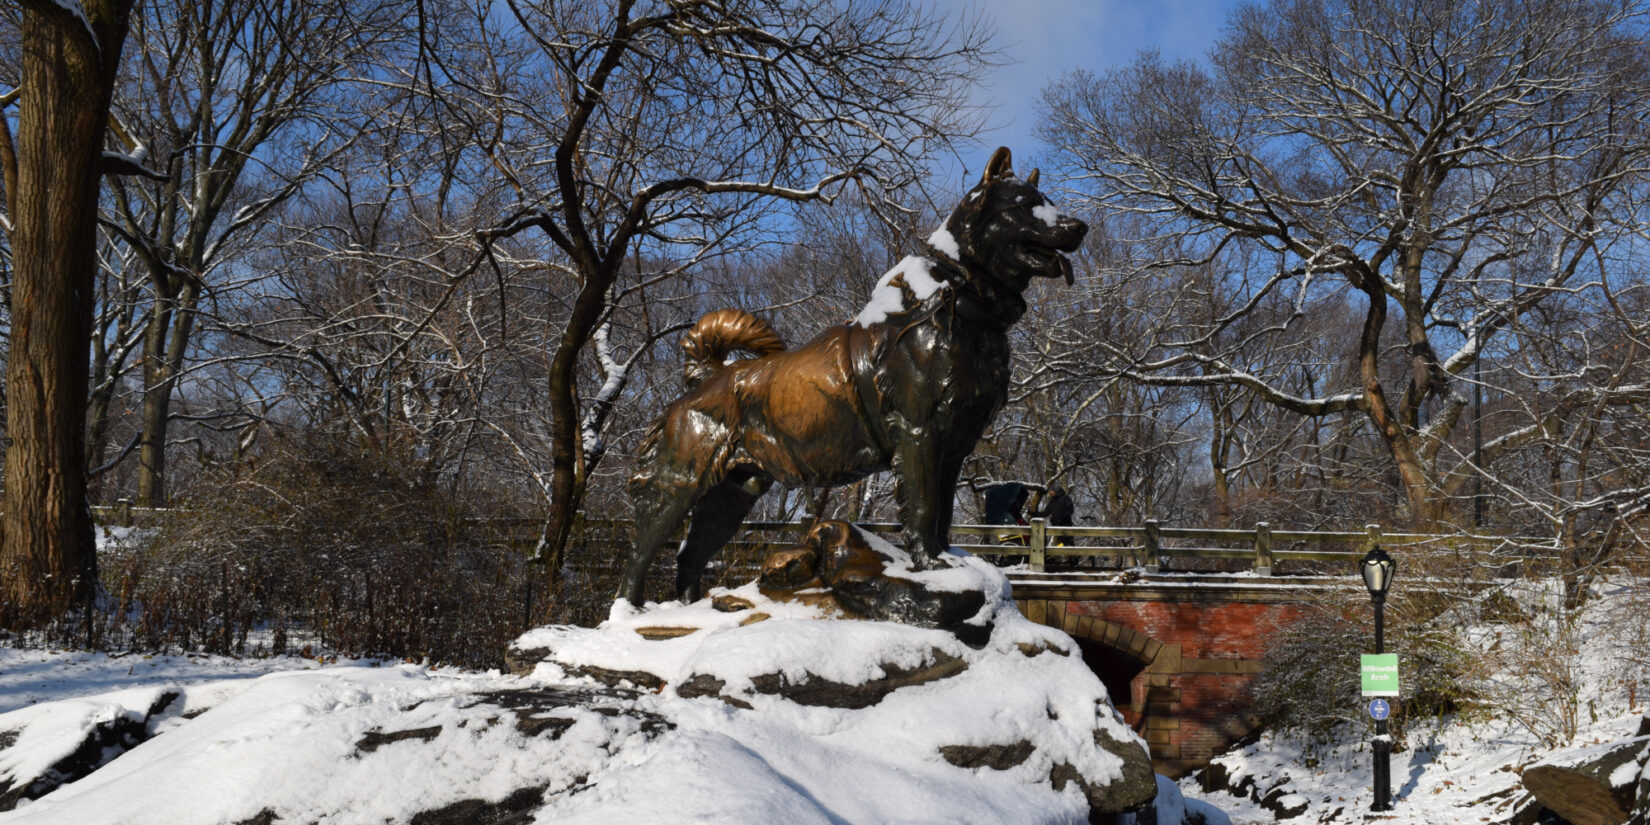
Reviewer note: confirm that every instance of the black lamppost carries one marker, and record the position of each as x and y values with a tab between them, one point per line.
1377	568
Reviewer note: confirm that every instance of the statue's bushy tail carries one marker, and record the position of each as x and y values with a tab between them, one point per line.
722	332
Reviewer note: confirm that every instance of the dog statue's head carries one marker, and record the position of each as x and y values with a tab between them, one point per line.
1007	232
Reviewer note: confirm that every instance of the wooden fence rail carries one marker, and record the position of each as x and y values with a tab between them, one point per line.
1157	547
1150	545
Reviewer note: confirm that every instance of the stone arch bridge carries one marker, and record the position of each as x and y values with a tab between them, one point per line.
1176	652
1176	643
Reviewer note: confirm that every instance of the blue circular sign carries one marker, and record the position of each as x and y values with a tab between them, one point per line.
1379	709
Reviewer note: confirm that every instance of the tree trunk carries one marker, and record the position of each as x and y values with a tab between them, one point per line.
1419	489
165	341
48	561
97	416
157	407
1219	448
568	472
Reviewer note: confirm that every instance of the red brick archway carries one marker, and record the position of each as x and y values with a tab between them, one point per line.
1186	652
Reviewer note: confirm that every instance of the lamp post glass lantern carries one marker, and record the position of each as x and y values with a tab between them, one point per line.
1377	568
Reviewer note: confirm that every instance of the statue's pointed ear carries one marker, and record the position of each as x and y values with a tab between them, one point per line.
1032	178
1001	163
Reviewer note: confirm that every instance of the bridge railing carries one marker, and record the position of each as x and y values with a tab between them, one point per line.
1158	548
1150	545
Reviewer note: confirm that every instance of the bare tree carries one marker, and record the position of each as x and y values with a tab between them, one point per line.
117	335
675	129
1576	477
1454	165
71	52
228	101
1121	449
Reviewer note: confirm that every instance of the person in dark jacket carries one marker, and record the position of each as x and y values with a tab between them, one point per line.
1059	508
1004	504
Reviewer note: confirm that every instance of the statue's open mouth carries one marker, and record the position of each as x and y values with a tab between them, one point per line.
1046	261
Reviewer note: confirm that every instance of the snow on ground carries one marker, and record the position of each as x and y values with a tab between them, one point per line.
31	676
1462	769
1454	773
294	722
200	741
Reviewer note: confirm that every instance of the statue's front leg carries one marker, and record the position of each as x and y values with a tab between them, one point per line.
925	495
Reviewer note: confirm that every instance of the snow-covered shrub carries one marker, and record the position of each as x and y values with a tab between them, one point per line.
1562	667
1311	682
352	548
1626	634
1538	681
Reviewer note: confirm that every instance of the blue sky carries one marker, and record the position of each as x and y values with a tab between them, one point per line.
1047	38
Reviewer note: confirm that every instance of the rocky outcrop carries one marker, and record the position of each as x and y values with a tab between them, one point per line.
77	739
1135	790
460	750
914	661
1597	785
821	692
995	757
739	709
532	712
1278	796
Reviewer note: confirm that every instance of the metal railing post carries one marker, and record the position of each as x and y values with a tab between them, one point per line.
1039	546
1263	549
1153	542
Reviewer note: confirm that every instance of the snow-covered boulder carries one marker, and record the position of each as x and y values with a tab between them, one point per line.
350	745
1600	784
43	748
1012	713
741	708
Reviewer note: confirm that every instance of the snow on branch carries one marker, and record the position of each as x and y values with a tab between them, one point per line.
121	163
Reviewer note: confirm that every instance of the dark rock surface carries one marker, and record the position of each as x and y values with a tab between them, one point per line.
101	743
1134	791
1577	784
518	808
995	757
827	693
837	567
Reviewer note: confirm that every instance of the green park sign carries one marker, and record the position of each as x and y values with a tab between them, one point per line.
1380	674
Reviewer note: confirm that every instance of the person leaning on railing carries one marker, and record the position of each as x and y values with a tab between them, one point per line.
1058	509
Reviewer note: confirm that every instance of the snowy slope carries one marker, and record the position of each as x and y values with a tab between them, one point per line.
359	742
1016	730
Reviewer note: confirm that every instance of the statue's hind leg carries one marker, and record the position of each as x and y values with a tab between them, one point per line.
716	518
660	509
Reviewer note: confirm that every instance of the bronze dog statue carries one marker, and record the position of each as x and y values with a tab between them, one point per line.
910	385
